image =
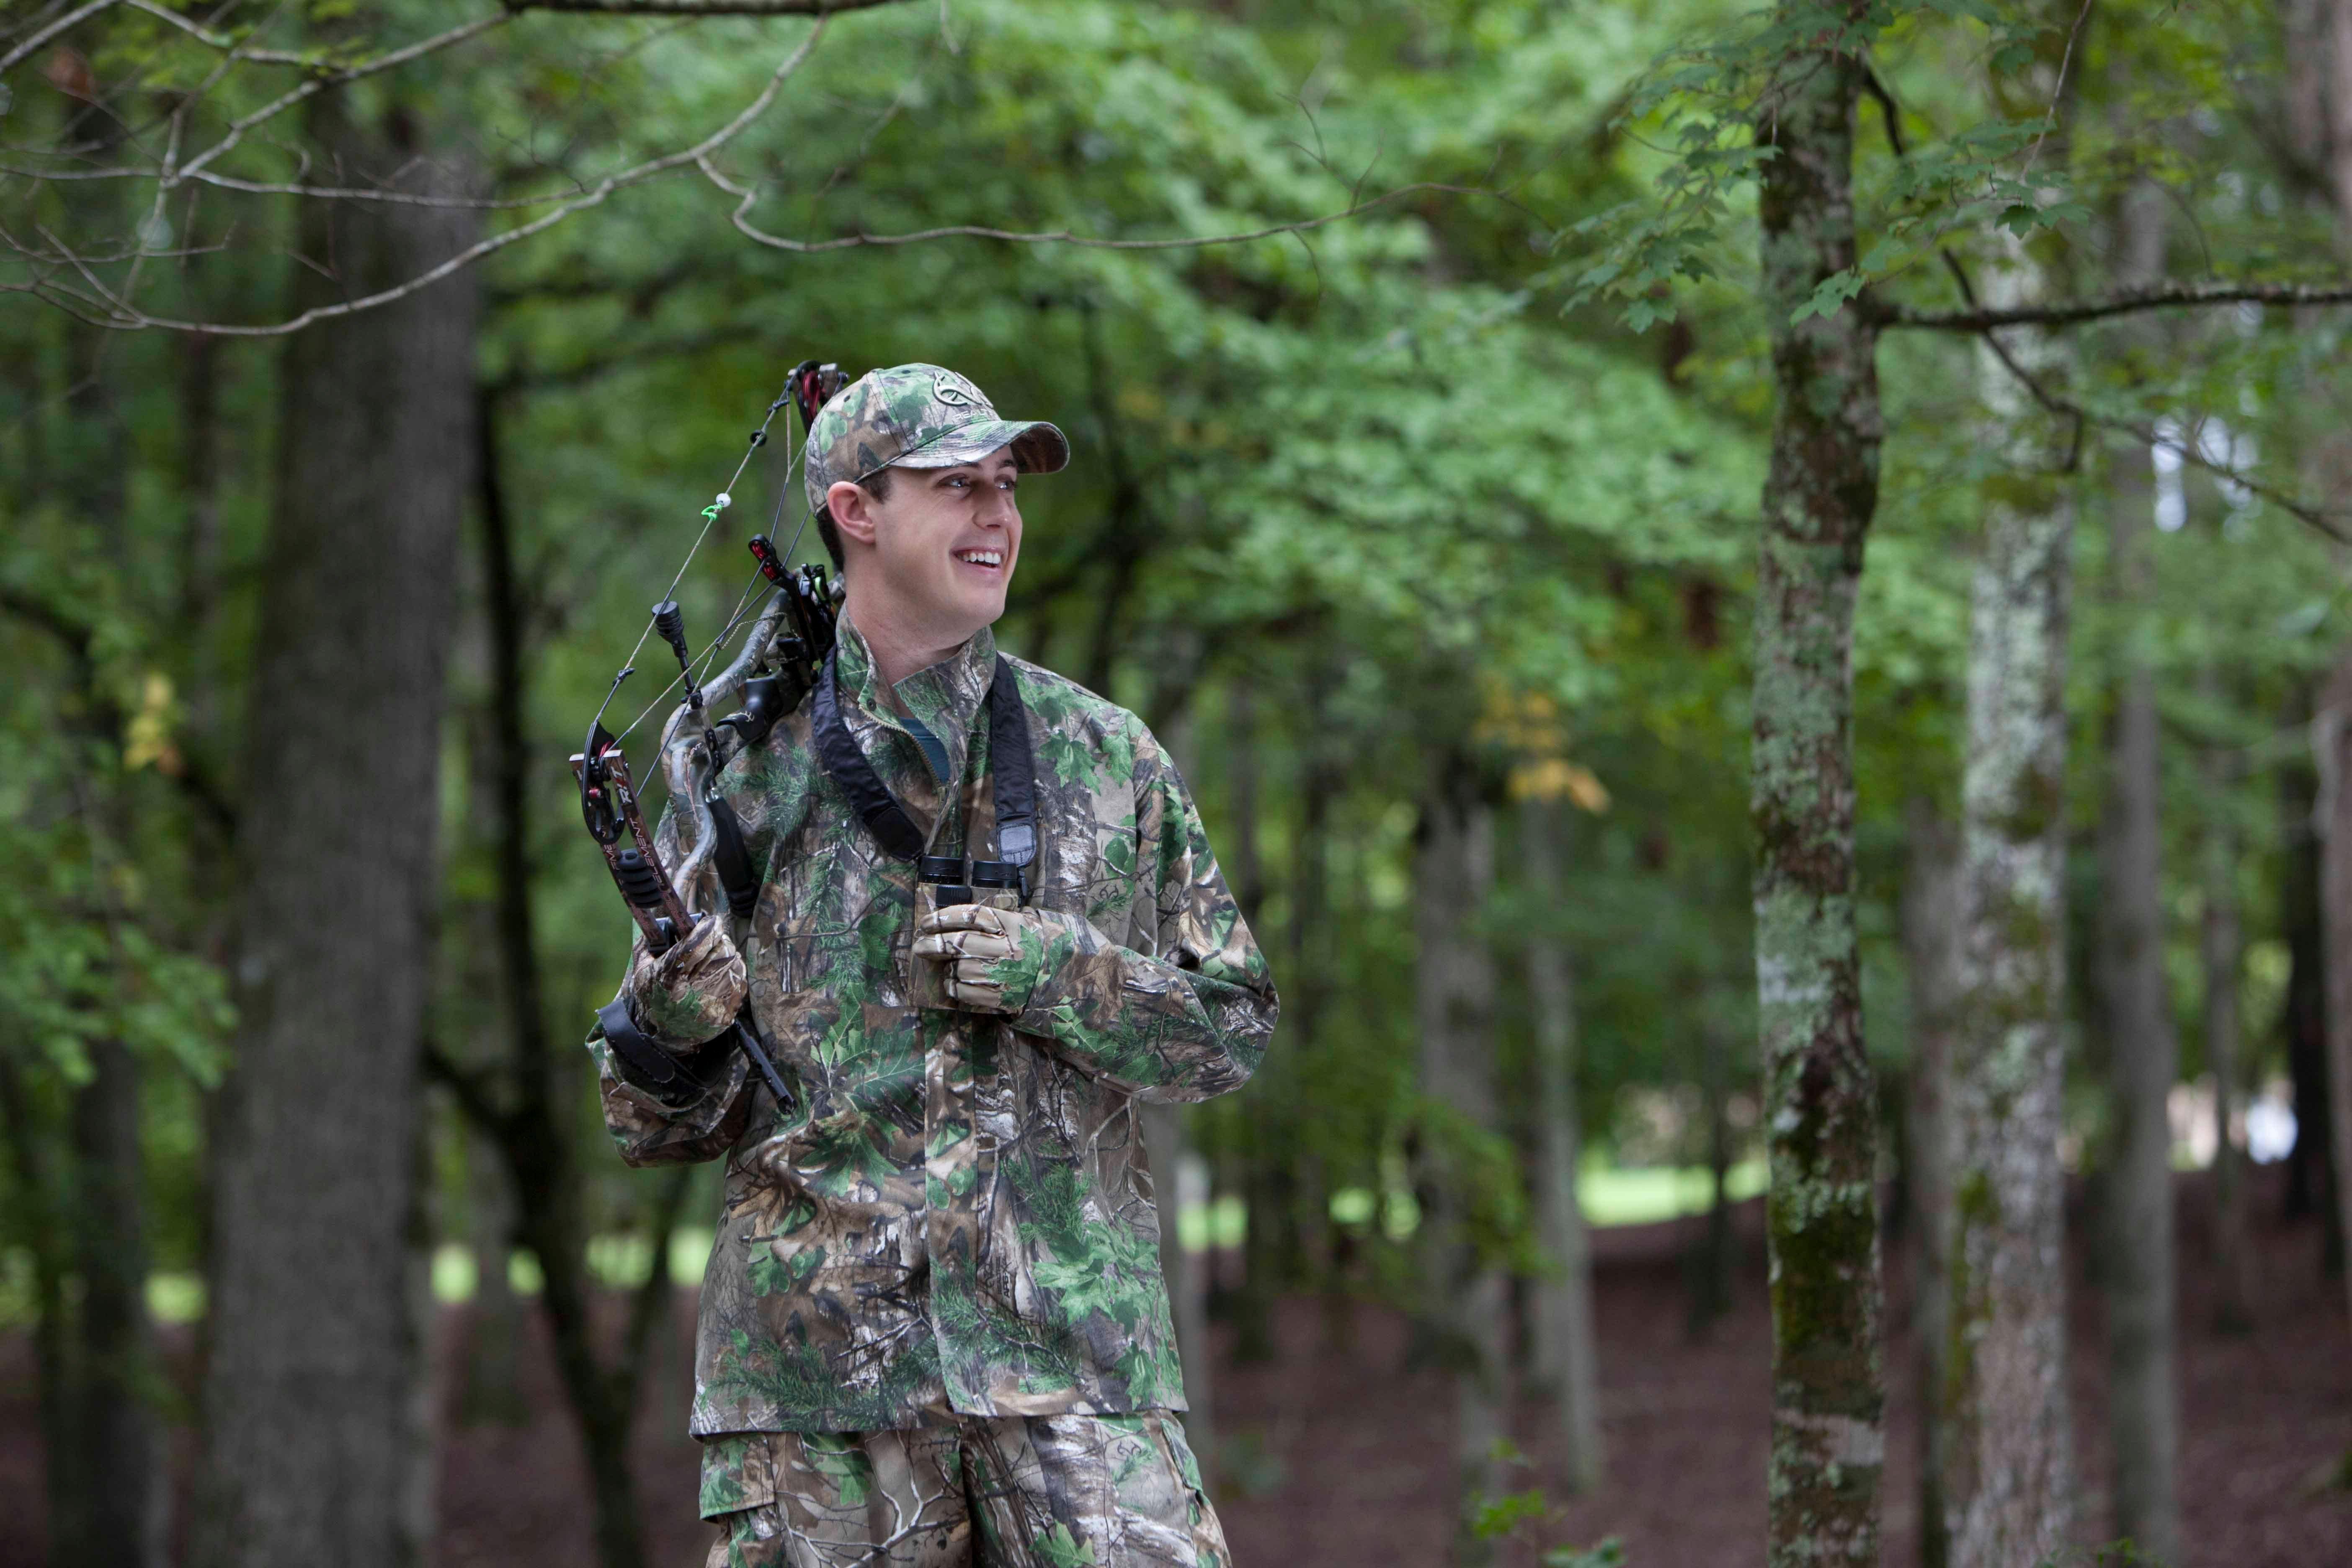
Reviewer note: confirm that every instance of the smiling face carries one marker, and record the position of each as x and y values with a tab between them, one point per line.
927	565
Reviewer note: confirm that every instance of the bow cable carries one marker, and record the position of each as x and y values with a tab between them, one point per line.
725	498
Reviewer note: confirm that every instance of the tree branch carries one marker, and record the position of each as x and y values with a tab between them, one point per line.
52	29
701	7
115	311
2335	523
747	196
2123	302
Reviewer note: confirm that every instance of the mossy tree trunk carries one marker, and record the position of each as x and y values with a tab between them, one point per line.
1828	1385
2008	1480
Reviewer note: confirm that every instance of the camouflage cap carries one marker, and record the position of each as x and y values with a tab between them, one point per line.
918	416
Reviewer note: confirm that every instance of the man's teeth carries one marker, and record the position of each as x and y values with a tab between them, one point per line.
982	557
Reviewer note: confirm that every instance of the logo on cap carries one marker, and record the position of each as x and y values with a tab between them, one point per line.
954	390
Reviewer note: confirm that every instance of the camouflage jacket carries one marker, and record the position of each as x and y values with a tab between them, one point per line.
956	1216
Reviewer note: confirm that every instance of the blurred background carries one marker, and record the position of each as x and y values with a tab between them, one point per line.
1422	528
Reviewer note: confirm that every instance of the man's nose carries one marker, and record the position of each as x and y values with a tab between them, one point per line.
998	511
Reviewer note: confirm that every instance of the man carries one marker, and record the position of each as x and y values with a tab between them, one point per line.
933	1329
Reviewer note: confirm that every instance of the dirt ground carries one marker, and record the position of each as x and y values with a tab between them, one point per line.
1336	1453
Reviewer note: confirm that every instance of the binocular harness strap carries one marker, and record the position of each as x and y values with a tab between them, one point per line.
1011	767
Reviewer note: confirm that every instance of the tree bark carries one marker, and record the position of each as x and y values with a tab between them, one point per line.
2309	1187
2143	1049
1828	1386
1188	1295
1566	1357
120	1459
2332	734
2143	1054
2008	1482
310	1453
1931	946
1707	1268
1251	1306
1468	1299
529	1124
1187	1277
2220	949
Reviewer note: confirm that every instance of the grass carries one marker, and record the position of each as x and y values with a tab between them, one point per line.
1609	1194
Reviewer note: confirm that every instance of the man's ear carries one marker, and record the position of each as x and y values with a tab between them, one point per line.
853	511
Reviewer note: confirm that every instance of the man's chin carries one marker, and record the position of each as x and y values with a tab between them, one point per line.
985	611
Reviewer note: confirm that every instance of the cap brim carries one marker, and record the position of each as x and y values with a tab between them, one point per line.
1038	447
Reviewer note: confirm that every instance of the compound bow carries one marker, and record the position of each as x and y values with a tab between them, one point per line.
776	667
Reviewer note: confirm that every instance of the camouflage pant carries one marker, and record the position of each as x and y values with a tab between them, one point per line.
1042	1491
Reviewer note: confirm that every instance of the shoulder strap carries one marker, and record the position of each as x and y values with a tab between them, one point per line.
837	748
1011	766
1012	774
731	856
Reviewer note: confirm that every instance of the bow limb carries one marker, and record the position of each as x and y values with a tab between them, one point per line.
689	762
724	686
686	763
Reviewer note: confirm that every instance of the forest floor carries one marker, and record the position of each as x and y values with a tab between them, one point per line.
1335	1453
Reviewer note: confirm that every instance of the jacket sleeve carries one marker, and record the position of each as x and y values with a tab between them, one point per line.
1185	1014
651	1131
682	1000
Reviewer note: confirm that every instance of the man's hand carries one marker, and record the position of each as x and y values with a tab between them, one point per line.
691	992
994	957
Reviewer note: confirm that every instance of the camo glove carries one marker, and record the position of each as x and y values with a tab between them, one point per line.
690	993
996	959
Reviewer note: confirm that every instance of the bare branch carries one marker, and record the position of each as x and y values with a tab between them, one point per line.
204	35
383	194
320	84
118	314
749	195
2123	302
2333	522
52	29
701	8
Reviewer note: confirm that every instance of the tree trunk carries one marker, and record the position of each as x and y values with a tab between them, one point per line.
494	1322
2143	1050
1828	1386
1707	1266
1188	1295
1187	1277
120	1460
2310	1186
2332	736
2221	947
1251	1305
1931	948
2007	1484
308	1399
1566	1357
529	1128
56	1357
1455	1012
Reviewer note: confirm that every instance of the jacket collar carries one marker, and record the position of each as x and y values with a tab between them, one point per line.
946	697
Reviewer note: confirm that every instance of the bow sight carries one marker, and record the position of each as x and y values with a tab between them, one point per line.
771	675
